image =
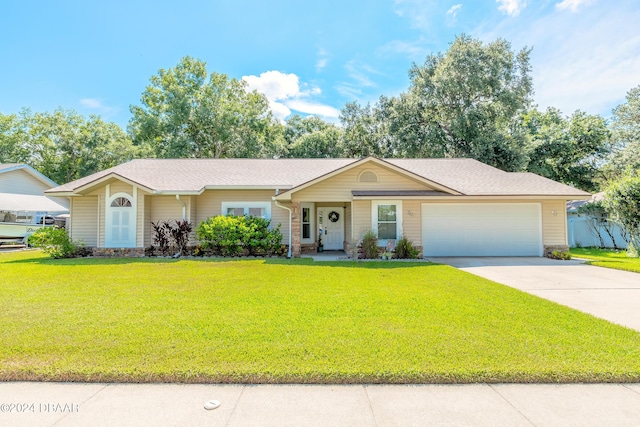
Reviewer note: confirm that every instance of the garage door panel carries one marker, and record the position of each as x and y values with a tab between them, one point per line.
483	229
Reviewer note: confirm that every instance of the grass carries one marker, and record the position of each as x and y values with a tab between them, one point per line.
608	258
279	321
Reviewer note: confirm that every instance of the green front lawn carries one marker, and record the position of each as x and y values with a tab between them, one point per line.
608	258
291	321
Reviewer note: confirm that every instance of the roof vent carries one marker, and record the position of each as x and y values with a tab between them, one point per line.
368	176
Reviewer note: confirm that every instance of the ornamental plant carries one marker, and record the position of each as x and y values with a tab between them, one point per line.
54	242
623	201
405	249
237	235
370	245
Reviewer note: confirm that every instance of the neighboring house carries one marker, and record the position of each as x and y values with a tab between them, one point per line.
23	204
583	230
447	207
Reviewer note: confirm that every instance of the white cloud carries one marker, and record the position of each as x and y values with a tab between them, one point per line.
453	11
511	7
314	108
418	12
98	106
360	72
586	61
323	60
283	92
572	5
274	84
91	103
415	50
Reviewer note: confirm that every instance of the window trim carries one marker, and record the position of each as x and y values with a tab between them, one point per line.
374	218
246	205
312	222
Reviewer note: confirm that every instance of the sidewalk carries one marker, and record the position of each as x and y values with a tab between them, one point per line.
85	404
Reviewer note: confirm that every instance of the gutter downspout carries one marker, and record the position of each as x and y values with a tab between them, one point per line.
184	207
290	214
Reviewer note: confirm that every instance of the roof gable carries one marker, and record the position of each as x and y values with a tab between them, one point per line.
343	180
10	167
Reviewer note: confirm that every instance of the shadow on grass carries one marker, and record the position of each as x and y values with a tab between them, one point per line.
301	262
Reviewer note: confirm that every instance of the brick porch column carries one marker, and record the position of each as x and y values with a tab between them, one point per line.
296	214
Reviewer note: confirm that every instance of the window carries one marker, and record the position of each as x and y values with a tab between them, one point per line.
386	216
259	209
368	176
387	223
121	202
306	223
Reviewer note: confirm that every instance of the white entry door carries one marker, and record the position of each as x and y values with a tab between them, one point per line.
120	223
332	222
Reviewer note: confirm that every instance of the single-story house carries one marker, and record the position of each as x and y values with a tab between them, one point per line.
446	207
23	204
586	231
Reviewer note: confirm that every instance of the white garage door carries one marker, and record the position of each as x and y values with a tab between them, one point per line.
481	229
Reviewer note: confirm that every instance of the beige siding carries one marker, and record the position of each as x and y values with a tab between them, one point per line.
165	208
412	222
361	216
339	187
121	187
84	213
209	204
554	227
140	219
146	224
21	182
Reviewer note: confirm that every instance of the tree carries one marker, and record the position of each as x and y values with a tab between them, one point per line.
625	129
567	150
623	201
187	113
597	220
312	137
465	103
63	145
366	130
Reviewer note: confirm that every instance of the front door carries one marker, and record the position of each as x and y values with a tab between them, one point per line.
331	221
120	223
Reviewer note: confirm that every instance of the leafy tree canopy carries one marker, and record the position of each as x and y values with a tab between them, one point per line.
465	102
625	128
568	150
187	112
63	145
623	201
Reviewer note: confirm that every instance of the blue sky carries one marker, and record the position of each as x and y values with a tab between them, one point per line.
307	57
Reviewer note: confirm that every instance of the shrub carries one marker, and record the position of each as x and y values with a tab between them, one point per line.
165	234
370	245
258	239
54	242
235	235
564	255
406	250
180	234
161	235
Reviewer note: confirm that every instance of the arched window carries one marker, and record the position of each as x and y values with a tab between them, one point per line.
368	176
121	202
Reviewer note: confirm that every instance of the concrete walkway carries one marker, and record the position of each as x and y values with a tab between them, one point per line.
68	404
610	294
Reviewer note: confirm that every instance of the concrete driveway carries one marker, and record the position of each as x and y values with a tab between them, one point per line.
613	295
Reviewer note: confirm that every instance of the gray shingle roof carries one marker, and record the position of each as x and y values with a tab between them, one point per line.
466	176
